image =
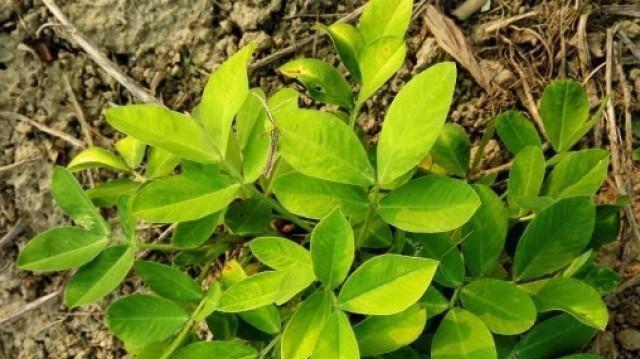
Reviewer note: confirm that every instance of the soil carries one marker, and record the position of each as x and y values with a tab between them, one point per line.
170	47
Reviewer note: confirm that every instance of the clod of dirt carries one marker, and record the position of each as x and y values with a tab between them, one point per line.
251	17
630	339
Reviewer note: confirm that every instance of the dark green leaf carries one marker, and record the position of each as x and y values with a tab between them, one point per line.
215	349
554	237
452	150
525	177
516	131
193	234
169	282
144	319
564	109
485	233
251	216
607	226
323	81
578	173
439	246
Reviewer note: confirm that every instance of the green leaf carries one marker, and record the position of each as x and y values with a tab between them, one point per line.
193	234
429	204
439	246
385	18
107	193
452	150
253	138
564	109
253	292
434	302
516	131
131	150
96	157
61	249
180	198
582	356
144	319
383	334
215	349
525	177
265	318
250	216
315	198
319	144
225	325
323	81
348	43
574	297
579	173
250	114
485	233
332	249
461	335
558	335
386	284
414	121
224	94
152	125
127	220
554	237
607	226
337	340
303	329
74	201
280	253
99	277
210	302
285	99
169	282
160	163
290	259
378	62
501	305
603	279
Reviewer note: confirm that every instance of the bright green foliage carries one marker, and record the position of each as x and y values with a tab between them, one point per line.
294	236
99	277
386	284
320	145
461	335
415	118
501	305
97	157
385	333
332	249
574	297
430	204
305	326
337	340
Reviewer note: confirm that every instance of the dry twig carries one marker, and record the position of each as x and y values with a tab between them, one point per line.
30	306
13	233
44	128
101	60
16	164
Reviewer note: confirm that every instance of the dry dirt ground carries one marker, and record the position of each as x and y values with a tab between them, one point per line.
170	46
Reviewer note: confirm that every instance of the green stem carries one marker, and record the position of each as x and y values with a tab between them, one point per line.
281	210
179	339
269	347
159	247
367	219
354	116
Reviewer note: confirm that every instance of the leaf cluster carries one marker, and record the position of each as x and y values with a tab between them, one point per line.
396	252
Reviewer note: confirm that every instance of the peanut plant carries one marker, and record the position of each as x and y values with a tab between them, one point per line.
388	250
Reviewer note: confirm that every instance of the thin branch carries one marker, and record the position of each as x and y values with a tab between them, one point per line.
86	130
48	130
13	233
30	306
100	59
12	166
